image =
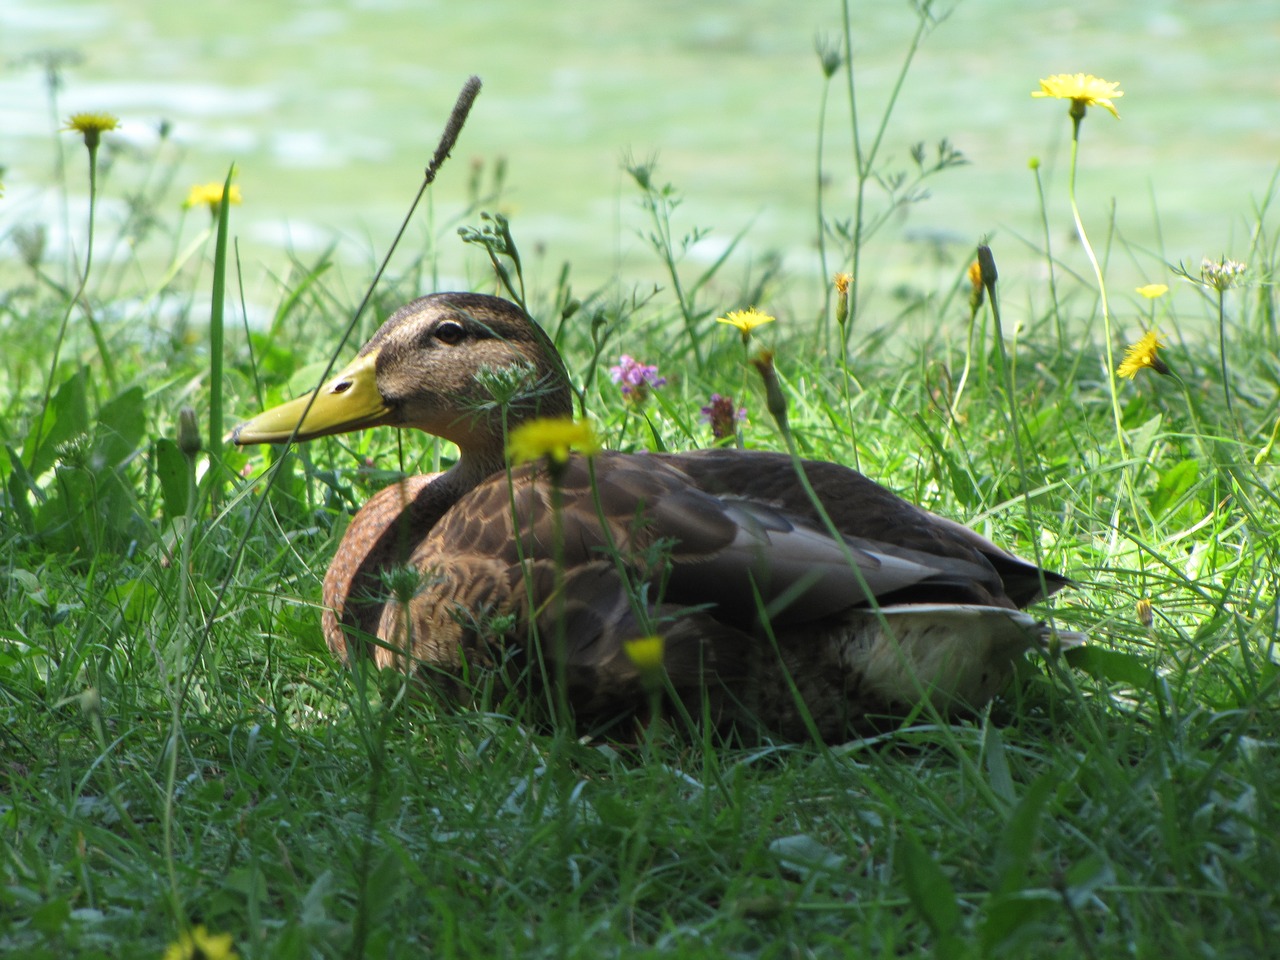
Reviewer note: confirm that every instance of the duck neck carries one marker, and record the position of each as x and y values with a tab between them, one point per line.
482	442
476	466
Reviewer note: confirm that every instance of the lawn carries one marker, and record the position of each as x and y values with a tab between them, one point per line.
180	757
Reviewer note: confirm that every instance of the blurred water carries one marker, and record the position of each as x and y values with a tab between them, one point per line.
330	111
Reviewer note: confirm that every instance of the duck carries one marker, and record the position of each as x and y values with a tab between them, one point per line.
773	616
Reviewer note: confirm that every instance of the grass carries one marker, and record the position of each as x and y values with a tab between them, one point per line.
178	747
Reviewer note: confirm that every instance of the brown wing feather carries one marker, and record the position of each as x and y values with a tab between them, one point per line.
861	508
699	553
382	534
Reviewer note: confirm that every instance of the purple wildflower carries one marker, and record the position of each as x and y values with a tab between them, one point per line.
722	416
636	378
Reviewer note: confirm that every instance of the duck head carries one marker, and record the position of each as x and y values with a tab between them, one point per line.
446	364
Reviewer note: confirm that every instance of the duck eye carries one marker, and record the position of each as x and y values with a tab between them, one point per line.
450	332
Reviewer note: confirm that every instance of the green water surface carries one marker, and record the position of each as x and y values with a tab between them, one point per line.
331	110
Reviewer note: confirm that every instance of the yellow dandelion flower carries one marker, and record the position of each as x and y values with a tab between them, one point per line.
1083	90
841	281
745	321
552	438
646	653
91	126
1153	291
975	275
978	293
199	944
1144	611
1141	355
210	194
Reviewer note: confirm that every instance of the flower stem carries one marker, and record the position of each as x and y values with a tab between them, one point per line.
1222	358
825	338
77	297
107	366
864	160
1015	425
1102	285
659	207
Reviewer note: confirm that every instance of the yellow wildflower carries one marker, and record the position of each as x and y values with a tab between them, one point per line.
1083	90
745	321
210	194
1143	354
92	126
1145	612
552	438
977	295
199	944
975	275
1153	291
646	653
842	281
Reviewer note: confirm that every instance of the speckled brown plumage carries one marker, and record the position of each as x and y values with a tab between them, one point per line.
718	551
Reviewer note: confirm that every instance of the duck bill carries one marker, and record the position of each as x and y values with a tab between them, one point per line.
350	401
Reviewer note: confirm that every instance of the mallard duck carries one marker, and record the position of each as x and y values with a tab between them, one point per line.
766	617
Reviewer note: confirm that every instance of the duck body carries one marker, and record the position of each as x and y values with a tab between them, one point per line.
774	614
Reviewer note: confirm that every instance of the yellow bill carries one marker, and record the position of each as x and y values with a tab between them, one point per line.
350	401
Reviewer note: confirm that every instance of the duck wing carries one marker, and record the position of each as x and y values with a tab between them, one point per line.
863	509
653	533
382	534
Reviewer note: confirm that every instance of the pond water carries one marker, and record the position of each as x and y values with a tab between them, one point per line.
330	112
